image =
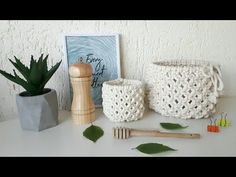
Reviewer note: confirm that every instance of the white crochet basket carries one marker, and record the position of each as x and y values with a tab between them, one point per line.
183	88
123	100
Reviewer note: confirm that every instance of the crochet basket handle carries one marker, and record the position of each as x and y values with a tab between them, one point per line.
214	73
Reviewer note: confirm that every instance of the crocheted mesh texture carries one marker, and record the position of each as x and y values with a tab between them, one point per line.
123	100
183	89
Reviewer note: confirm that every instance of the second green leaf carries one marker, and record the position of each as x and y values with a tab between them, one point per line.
171	126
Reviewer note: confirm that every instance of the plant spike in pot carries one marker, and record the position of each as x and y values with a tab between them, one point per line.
37	105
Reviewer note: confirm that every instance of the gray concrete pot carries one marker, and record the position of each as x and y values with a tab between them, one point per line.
39	112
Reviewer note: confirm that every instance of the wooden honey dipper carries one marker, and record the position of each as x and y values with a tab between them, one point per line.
124	133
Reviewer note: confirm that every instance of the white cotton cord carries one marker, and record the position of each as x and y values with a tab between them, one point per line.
216	78
220	84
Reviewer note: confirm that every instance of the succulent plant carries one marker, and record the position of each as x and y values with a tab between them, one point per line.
36	76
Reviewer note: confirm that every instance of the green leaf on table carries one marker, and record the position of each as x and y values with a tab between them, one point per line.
153	148
171	126
93	133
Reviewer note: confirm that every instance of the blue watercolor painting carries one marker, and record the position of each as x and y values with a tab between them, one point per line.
101	53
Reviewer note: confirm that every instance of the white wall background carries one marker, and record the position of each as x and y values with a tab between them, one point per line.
141	42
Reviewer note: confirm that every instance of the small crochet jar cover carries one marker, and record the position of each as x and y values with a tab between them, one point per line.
123	100
183	88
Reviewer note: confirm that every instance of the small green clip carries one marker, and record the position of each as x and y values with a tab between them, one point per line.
223	121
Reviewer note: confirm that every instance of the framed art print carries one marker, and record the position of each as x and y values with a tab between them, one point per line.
102	52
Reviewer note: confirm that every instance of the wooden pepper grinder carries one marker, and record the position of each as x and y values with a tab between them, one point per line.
82	108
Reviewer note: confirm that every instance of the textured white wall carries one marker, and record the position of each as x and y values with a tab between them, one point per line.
141	42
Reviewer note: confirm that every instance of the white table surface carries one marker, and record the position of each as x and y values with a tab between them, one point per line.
66	139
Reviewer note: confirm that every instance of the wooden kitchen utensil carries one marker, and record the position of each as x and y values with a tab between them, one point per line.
82	108
124	133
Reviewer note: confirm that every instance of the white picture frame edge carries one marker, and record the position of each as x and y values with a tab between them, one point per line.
117	36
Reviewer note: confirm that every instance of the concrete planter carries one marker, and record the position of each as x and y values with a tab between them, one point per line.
37	113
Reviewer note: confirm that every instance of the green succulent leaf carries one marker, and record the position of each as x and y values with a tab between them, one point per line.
40	63
8	76
153	148
32	62
45	66
93	133
49	74
24	70
171	126
40	59
16	79
35	74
